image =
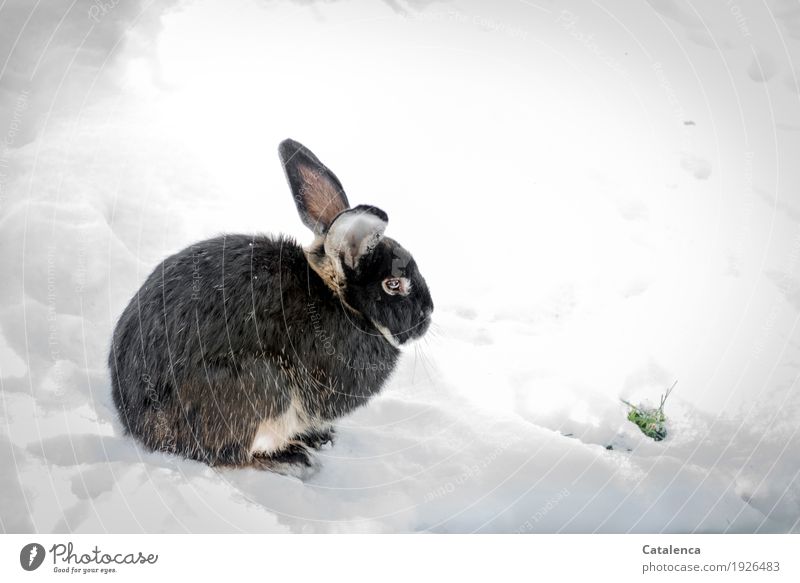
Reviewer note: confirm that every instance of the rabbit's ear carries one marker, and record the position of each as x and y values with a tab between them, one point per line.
317	192
355	233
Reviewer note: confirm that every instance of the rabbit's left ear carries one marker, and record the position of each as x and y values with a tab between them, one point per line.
355	233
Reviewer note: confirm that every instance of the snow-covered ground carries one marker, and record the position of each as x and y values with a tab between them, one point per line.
603	199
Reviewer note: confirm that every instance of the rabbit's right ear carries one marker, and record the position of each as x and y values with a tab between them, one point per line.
317	192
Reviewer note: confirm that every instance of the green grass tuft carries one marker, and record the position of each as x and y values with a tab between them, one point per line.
652	422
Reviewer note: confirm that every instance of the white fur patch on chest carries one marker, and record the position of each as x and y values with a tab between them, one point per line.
273	434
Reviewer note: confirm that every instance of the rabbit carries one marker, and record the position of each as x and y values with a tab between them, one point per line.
243	351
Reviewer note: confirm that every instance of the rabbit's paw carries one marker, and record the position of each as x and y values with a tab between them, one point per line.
318	438
294	460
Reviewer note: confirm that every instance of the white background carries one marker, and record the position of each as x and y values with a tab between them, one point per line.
602	197
399	558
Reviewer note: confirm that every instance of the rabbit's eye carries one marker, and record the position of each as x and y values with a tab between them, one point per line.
395	285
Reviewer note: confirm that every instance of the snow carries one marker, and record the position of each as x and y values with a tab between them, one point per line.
582	242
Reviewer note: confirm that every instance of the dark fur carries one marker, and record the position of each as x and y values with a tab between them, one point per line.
224	334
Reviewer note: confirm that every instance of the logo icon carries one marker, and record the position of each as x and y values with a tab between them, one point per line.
31	556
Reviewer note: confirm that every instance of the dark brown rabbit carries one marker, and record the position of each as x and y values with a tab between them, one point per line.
243	349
